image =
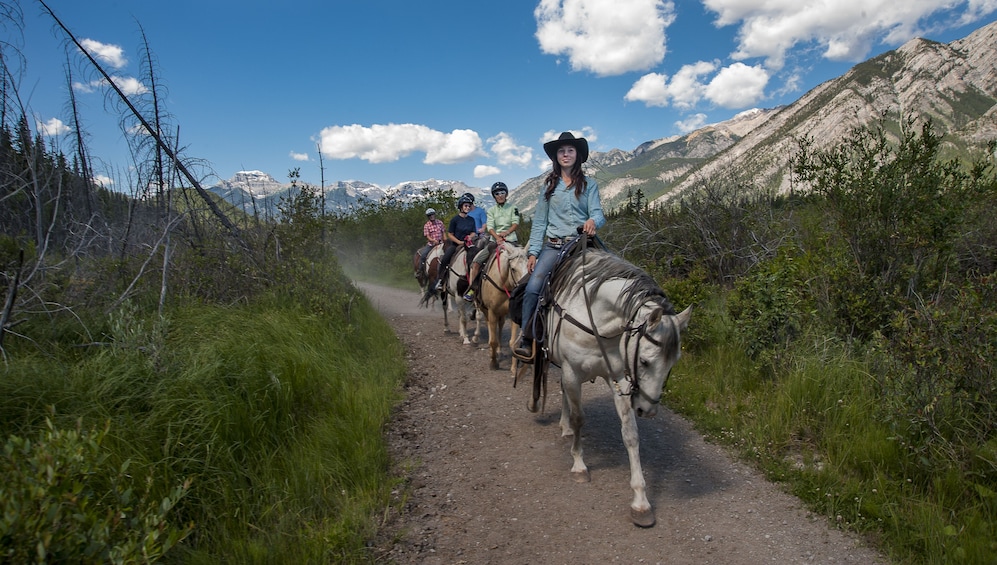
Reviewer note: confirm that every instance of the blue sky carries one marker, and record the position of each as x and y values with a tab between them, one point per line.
393	91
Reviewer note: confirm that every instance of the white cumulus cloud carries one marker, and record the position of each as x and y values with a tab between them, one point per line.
105	53
845	30
605	37
508	152
482	171
384	143
684	90
52	127
298	156
587	132
737	86
691	123
129	85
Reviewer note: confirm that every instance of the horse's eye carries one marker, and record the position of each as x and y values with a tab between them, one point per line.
644	362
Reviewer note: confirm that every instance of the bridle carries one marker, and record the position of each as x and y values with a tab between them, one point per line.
498	260
629	330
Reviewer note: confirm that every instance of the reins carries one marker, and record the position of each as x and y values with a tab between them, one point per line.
640	331
498	260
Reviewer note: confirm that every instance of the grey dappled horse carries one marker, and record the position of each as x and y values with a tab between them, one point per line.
607	318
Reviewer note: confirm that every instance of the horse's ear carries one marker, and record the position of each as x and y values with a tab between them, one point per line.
683	318
654	318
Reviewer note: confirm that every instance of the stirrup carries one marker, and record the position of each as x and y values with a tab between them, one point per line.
524	354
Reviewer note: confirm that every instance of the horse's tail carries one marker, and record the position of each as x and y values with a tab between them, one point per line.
427	295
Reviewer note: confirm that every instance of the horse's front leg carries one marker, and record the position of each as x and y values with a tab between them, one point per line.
640	508
446	315
513	331
571	423
477	323
494	329
462	311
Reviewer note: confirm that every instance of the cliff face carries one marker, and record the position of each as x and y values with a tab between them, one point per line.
954	85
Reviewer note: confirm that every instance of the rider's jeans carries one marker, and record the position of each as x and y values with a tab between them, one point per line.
545	262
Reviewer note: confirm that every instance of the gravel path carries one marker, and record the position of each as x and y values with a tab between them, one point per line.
489	482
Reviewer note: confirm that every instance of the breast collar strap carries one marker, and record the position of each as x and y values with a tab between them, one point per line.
630	330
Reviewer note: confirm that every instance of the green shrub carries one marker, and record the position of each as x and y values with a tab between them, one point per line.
53	509
769	305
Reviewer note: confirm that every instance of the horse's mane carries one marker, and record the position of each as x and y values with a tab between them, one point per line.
602	266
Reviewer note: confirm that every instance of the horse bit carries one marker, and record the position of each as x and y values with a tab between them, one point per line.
630	330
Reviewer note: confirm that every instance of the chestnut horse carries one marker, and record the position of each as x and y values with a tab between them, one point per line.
503	271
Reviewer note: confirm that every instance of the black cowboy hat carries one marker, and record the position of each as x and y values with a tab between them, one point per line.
580	144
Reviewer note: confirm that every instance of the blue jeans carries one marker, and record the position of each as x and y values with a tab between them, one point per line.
545	262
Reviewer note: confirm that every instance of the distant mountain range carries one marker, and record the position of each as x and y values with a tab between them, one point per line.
954	84
256	192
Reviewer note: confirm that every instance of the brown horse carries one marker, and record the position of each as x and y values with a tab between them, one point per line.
503	272
425	274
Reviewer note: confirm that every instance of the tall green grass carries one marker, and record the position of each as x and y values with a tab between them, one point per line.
816	426
273	412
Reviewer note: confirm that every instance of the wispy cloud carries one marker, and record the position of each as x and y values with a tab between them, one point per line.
299	156
691	123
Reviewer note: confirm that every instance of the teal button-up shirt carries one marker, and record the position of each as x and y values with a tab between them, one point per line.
563	214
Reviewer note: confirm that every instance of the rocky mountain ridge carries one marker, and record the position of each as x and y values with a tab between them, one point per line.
256	192
954	85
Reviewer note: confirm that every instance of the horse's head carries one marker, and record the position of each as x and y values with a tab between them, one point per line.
658	338
515	259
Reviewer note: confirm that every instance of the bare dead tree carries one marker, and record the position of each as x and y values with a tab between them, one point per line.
8	306
232	229
86	170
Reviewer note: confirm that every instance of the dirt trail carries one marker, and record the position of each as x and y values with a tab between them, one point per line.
490	481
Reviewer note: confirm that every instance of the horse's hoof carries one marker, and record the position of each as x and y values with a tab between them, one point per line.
494	365
531	405
585	477
642	518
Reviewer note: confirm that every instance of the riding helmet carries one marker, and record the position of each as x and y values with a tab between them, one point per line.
430	211
464	199
499	187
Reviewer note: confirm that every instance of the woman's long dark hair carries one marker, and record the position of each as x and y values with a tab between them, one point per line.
577	179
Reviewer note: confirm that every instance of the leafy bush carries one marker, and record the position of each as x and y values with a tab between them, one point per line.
941	394
769	306
55	507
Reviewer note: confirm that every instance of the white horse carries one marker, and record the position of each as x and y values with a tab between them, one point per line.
608	318
454	287
502	273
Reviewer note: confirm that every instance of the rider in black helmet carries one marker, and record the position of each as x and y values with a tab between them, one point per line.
502	221
459	233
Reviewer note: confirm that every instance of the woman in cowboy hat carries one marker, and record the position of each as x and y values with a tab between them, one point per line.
569	201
